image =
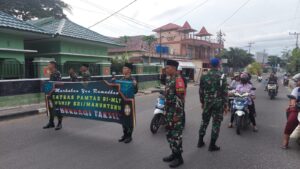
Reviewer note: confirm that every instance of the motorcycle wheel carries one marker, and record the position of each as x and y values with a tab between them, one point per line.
155	123
238	124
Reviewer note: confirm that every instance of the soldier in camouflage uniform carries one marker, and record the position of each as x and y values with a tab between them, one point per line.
54	76
213	97
85	73
175	92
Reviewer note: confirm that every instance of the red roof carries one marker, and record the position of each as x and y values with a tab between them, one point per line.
186	27
167	27
134	44
203	32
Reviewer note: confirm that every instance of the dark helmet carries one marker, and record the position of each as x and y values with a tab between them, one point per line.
244	78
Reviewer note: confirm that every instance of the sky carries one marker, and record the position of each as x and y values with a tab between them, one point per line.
267	23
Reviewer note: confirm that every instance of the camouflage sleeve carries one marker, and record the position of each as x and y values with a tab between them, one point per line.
201	90
225	91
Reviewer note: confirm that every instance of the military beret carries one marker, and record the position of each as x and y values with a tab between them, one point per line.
172	63
85	65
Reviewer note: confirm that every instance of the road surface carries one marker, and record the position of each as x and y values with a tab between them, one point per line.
87	144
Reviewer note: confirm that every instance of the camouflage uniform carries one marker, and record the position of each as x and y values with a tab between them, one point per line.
127	130
213	95
55	76
86	76
174	113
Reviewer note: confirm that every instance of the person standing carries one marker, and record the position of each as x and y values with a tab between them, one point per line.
54	76
127	69
73	75
85	73
213	97
174	93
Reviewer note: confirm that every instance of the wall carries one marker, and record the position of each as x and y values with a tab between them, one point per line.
69	47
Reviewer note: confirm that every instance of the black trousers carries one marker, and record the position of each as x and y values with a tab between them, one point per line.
53	113
127	131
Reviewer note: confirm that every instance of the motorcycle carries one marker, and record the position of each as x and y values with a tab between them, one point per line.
159	114
259	79
285	82
241	111
272	90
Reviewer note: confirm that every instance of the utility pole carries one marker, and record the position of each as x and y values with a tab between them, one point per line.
249	46
160	47
297	37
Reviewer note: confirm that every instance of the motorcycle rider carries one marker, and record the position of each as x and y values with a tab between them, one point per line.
246	87
236	80
272	80
285	79
292	121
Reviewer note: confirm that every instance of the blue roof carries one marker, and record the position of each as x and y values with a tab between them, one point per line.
8	21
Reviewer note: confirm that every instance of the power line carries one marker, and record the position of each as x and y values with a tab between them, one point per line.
249	46
198	6
235	12
143	24
112	14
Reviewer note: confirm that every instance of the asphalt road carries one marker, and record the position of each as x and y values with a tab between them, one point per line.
87	144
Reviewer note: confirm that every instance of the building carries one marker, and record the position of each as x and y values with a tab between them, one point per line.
31	45
184	43
261	57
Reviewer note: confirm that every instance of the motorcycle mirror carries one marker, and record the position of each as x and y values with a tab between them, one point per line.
291	97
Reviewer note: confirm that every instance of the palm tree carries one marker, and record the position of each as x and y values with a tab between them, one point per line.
149	40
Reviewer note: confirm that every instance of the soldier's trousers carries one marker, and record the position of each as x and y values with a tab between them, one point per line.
216	112
174	137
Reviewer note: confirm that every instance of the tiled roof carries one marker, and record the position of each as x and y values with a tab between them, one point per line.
167	27
65	27
186	27
203	32
8	21
134	43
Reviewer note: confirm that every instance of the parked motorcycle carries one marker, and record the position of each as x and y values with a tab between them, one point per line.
159	114
272	90
241	111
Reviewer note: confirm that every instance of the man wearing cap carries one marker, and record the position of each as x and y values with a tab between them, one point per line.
213	97
174	93
85	73
127	131
54	76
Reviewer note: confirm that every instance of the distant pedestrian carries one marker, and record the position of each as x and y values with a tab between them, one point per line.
73	75
213	97
54	76
174	93
85	73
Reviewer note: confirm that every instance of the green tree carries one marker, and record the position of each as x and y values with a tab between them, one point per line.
294	61
31	9
255	68
237	58
125	39
275	60
149	40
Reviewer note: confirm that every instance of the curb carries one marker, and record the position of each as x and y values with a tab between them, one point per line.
21	114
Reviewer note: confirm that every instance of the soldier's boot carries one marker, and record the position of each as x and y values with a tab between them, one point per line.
200	142
122	138
213	146
59	125
128	139
49	125
177	161
169	158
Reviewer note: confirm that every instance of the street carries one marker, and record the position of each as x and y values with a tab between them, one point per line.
87	144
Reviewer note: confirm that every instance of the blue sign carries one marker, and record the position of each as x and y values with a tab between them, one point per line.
92	100
162	49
